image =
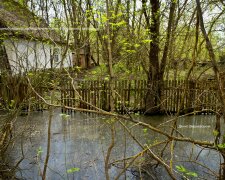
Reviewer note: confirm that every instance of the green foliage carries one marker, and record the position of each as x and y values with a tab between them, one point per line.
146	41
137	114
12	104
72	170
186	172
181	169
215	132
106	78
193	174
22	2
39	151
221	146
64	116
118	24
99	72
145	130
111	121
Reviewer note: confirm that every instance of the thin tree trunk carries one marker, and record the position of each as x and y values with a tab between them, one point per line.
216	71
49	139
167	43
109	152
110	58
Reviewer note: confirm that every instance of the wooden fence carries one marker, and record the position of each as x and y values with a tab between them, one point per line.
17	94
130	95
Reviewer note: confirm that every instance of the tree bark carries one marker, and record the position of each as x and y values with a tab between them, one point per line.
168	37
153	93
110	57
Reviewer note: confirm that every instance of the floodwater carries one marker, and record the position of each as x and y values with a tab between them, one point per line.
81	141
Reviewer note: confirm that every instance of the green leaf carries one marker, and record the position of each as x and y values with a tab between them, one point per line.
181	169
64	116
12	103
137	114
146	41
39	151
221	146
121	23
105	36
106	78
193	174
145	130
72	170
136	45
215	132
130	51
104	19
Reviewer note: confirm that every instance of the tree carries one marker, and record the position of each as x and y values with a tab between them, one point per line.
156	67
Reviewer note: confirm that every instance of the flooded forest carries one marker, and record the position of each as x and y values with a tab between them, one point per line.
112	89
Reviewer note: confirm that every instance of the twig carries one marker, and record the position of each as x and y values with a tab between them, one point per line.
109	152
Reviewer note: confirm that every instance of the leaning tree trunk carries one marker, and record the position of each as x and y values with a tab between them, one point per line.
219	80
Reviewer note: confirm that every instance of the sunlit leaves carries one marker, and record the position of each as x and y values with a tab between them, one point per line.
104	19
221	146
72	170
193	174
118	24
145	41
12	104
64	116
39	151
106	78
186	172
145	130
22	2
137	45
215	132
30	74
181	168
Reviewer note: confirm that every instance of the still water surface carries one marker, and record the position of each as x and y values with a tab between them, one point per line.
81	141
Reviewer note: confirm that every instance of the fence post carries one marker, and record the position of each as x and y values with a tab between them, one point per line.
191	97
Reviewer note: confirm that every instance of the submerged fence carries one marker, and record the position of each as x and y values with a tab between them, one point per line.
130	96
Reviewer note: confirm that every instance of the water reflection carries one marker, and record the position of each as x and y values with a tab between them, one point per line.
82	140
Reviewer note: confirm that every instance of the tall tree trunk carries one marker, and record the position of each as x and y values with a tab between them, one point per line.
153	73
168	39
109	45
157	69
110	58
